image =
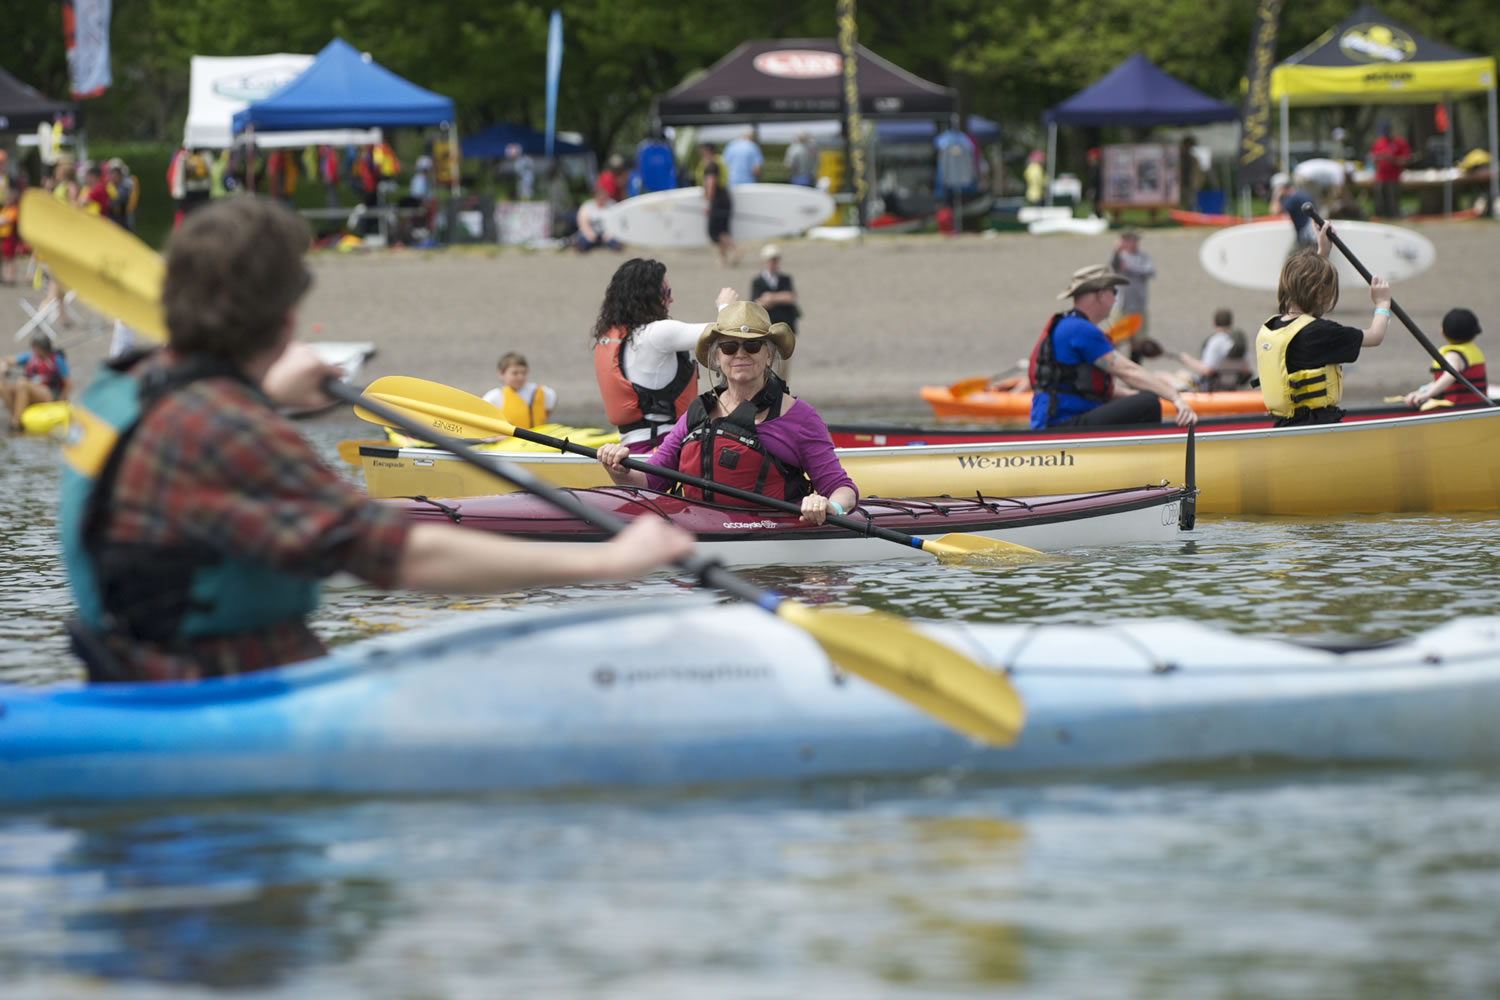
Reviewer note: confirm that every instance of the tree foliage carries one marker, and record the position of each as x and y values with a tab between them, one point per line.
1008	59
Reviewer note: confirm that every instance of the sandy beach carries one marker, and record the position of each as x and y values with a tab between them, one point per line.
880	318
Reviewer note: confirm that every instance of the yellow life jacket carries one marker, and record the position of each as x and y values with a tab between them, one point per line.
1286	392
516	411
1470	351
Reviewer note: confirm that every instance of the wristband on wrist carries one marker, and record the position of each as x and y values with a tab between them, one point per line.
1383	311
837	509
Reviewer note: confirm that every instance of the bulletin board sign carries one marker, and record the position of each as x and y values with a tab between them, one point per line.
521	222
1141	175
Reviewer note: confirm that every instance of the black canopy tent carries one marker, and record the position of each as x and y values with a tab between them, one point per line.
798	79
23	109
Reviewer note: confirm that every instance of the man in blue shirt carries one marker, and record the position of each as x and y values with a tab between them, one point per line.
742	159
1074	366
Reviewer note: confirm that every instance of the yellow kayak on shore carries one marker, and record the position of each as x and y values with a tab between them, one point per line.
591	437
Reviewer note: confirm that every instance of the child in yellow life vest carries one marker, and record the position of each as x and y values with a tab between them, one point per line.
1460	327
10	237
1299	356
521	402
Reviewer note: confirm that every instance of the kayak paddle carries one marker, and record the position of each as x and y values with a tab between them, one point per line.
465	415
883	649
1401	314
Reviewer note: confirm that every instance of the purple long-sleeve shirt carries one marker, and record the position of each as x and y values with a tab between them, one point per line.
798	437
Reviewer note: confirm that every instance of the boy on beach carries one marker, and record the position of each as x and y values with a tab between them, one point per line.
521	401
1460	327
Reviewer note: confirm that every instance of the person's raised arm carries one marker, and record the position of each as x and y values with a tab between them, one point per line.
1380	294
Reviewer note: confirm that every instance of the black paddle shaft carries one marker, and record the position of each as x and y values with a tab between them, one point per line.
861	525
709	571
1364	272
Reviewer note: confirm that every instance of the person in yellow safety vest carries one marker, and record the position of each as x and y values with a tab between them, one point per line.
386	163
521	402
1460	327
1299	356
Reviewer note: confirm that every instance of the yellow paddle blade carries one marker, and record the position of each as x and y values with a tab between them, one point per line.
977	550
966	386
443	419
1125	327
112	271
887	651
349	450
434	400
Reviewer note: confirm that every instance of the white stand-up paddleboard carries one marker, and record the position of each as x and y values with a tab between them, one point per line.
1251	256
1092	226
679	218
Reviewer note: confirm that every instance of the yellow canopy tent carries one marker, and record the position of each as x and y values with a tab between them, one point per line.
1370	59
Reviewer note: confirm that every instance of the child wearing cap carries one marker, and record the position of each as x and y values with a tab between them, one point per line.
1460	327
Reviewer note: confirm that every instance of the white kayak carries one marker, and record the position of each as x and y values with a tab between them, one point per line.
686	693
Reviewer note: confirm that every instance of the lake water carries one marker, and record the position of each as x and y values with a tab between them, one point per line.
1319	882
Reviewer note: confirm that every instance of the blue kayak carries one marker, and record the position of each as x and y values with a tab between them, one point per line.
642	694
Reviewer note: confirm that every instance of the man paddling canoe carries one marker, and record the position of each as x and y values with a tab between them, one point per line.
748	431
196	521
1074	365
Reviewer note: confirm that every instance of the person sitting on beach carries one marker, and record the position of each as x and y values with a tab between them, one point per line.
196	521
1460	327
1299	356
642	359
748	431
1222	364
1073	366
521	401
43	378
590	219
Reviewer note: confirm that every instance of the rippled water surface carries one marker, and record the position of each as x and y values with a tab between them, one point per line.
1325	883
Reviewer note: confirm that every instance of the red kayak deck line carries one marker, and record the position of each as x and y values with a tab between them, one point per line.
524	515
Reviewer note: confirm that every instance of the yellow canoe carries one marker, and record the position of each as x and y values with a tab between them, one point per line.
1444	460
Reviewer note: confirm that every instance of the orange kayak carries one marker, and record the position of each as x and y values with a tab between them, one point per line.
969	398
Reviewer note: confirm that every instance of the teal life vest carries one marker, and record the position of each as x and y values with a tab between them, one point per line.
154	593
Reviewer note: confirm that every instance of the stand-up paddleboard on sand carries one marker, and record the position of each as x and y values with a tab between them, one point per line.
679	218
1250	256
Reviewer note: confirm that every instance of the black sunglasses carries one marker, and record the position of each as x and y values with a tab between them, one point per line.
729	348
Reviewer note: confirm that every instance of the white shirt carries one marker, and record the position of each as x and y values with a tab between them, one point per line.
527	392
1217	348
773	281
1329	173
650	359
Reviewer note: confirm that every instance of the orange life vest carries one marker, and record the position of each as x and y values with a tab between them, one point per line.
626	404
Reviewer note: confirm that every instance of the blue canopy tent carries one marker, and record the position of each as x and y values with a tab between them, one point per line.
1134	93
344	88
492	143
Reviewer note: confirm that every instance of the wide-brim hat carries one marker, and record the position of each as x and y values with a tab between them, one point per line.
745	321
1093	278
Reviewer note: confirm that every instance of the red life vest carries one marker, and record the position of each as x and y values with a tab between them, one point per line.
1473	370
45	371
728	450
626	404
1049	376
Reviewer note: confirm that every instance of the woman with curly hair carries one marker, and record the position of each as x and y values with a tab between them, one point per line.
642	360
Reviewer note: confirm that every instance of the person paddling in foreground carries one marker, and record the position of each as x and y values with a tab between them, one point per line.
642	359
748	431
1074	366
1299	356
196	521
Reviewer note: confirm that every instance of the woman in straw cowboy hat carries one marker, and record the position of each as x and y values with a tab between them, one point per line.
748	431
1074	365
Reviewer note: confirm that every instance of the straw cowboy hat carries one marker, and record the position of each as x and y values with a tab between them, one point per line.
746	321
1093	278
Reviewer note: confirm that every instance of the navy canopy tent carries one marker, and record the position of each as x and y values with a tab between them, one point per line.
22	108
491	144
1134	93
346	89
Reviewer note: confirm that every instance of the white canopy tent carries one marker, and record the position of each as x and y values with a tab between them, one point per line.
222	85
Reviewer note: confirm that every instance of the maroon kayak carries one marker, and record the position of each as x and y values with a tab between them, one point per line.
751	536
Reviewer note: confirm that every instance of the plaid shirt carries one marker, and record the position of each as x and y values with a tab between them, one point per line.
212	465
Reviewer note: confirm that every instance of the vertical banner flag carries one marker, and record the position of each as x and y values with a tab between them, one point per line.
86	37
854	150
554	70
1256	164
